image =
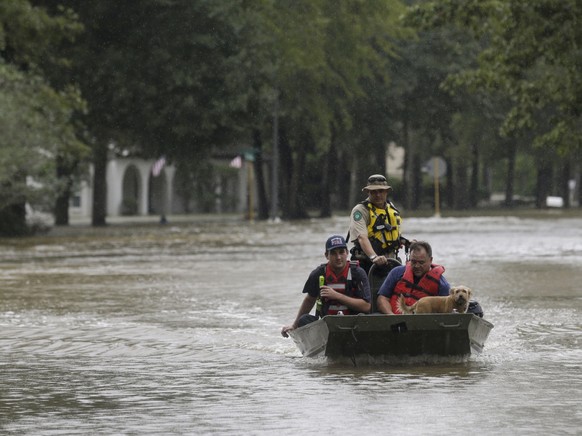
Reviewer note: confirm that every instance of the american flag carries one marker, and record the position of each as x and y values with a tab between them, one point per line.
236	162
158	165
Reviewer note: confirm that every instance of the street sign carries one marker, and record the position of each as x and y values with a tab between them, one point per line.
435	166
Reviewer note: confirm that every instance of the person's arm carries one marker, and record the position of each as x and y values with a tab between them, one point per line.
386	290
366	246
354	303
359	220
384	305
444	287
306	306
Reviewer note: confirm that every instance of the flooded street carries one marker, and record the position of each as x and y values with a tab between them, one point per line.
174	329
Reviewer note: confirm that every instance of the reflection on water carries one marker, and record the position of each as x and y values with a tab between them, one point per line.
175	330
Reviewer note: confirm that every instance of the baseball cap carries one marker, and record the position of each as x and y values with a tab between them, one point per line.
335	241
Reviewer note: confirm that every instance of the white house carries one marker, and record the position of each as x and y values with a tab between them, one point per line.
133	189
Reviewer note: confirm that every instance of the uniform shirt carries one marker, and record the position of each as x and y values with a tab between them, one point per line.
359	220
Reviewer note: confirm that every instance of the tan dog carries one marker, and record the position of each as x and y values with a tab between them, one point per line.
456	301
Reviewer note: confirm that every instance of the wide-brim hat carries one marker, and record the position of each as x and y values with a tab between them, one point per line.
377	182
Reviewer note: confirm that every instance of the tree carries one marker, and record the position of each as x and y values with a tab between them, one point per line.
42	127
316	56
532	56
154	76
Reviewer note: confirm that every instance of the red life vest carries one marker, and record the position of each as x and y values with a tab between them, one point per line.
428	285
341	283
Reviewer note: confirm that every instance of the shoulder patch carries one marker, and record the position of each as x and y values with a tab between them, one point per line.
357	215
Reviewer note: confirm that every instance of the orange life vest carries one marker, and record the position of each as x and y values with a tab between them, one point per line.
341	283
428	285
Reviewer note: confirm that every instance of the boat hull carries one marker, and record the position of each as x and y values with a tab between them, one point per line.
393	335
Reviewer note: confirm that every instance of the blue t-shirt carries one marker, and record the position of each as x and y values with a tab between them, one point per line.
387	288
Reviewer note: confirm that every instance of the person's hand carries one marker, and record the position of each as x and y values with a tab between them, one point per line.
327	292
286	329
380	260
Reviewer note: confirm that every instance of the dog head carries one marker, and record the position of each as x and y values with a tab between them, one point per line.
461	295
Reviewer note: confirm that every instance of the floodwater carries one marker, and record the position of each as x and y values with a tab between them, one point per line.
174	329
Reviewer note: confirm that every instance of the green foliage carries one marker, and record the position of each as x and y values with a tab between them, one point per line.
531	56
29	35
31	136
154	74
313	55
185	77
36	118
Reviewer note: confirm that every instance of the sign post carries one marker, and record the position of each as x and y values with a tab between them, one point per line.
437	168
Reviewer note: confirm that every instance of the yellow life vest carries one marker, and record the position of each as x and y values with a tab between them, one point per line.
384	226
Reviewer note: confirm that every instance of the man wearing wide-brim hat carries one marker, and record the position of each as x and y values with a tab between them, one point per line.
375	225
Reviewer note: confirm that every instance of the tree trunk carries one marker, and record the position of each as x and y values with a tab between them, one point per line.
486	179
329	177
99	185
286	171
62	206
407	182
297	208
13	216
64	174
510	176
462	202
260	176
354	189
380	156
449	195
474	186
543	182
564	179
13	220
416	182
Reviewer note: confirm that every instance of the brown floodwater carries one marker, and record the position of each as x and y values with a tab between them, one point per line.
174	329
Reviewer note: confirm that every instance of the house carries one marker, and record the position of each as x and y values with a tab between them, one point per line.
135	189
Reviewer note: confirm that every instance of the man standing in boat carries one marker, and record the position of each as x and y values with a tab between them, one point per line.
375	226
338	287
419	278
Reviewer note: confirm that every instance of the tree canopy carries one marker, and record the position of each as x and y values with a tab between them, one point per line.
491	85
531	55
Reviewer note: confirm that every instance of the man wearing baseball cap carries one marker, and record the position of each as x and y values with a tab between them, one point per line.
375	225
337	287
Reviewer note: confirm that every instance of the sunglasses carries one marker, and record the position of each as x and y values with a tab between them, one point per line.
377	179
